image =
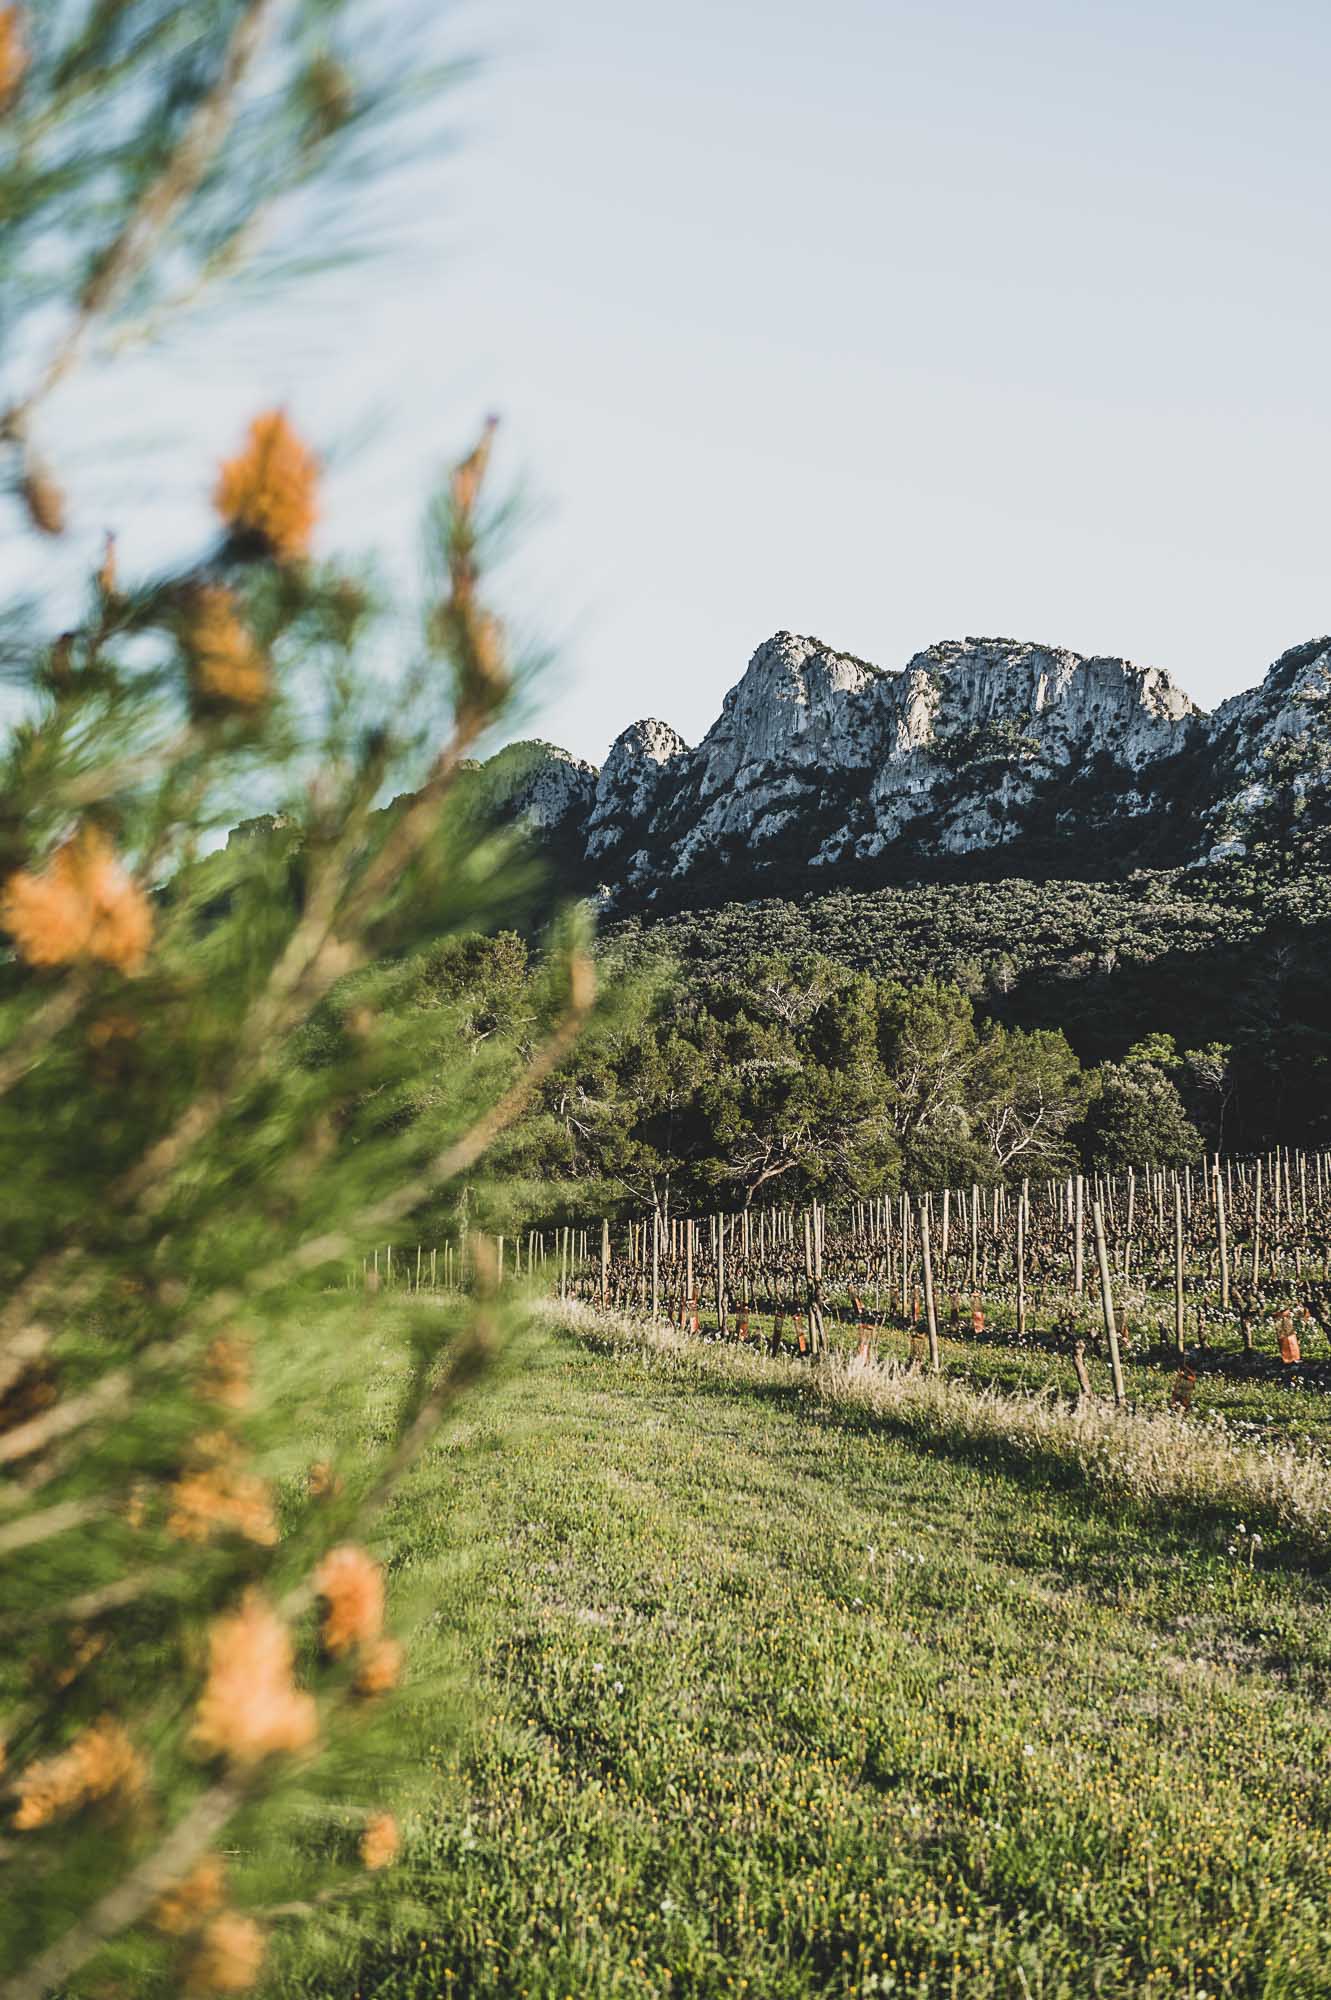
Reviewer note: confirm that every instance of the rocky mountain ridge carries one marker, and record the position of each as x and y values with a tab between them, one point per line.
822	765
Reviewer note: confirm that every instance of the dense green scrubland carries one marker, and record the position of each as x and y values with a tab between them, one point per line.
1236	954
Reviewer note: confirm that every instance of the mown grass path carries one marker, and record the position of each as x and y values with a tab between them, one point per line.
770	1701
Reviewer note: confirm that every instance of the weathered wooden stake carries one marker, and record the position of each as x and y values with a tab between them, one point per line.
935	1361
1178	1266
656	1264
1257	1225
1107	1301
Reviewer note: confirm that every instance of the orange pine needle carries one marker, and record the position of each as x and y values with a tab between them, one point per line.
229	1955
228	668
217	1496
107	577
44	501
250	1708
381	1842
13	55
322	1481
469	475
81	905
100	1764
268	492
381	1668
193	1898
226	1372
352	1587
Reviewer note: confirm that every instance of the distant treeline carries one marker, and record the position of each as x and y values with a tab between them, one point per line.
922	1035
1238	955
792	1079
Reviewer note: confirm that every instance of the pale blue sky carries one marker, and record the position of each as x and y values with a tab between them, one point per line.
888	322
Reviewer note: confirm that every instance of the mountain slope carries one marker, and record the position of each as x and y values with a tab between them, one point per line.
986	756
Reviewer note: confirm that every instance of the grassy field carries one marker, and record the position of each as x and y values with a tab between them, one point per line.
772	1695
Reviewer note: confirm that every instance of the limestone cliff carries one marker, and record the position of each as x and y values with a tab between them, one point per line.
820	761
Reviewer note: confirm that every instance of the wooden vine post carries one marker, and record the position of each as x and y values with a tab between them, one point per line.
1189	1244
818	1281
656	1265
1178	1266
721	1273
1107	1300
808	1284
1257	1225
931	1315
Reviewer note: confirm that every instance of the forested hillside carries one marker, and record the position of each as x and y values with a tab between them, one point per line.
1237	953
1068	840
793	1079
898	1036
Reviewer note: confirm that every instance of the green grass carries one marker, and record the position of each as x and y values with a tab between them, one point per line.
770	1699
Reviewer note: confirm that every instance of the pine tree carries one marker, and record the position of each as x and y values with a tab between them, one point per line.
202	1068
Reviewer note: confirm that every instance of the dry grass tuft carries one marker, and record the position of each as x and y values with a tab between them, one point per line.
1148	1458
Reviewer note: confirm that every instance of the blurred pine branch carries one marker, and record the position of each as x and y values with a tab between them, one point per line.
202	1074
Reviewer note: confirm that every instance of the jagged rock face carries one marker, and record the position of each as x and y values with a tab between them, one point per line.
1015	716
1278	732
630	781
798	708
1061	700
563	787
542	784
819	759
801	715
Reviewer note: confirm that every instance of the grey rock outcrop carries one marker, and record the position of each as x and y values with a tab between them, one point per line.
1278	733
631	782
819	759
542	785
